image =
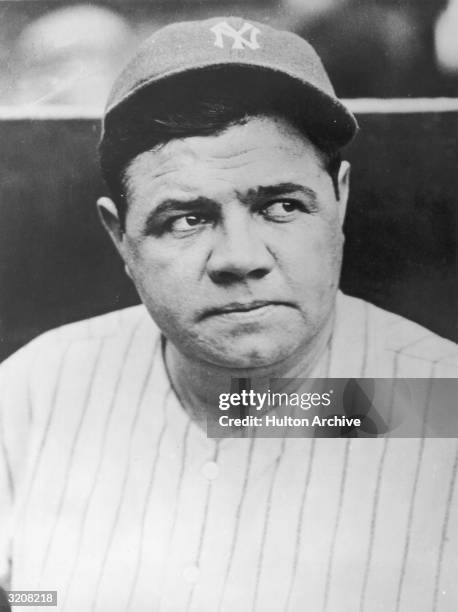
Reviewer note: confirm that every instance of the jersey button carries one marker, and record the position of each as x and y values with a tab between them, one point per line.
191	574
210	470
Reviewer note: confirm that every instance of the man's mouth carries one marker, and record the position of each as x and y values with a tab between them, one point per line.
245	309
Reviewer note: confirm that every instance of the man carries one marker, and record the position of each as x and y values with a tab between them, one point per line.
221	150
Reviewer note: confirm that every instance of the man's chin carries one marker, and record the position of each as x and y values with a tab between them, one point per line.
250	355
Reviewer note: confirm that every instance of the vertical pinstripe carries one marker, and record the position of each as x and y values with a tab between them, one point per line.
266	524
373	524
4	452
203	528
70	459
126	470
409	524
298	544
7	464
48	423
445	524
395	373
389	420
36	464
365	341
413	496
343	482
99	465
29	394
238	515
178	492
149	490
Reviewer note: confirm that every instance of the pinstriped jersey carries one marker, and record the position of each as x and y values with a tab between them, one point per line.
112	496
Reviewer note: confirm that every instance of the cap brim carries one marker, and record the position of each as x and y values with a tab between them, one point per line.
328	121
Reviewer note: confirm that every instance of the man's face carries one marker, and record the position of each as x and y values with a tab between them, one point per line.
234	242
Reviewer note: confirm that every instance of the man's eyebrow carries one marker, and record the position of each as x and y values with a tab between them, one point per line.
176	205
207	204
269	191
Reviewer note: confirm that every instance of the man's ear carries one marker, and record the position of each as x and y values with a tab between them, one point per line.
344	188
109	216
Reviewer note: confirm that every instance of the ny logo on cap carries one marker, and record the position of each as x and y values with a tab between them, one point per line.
224	29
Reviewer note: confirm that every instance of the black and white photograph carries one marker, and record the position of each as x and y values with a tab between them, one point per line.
228	305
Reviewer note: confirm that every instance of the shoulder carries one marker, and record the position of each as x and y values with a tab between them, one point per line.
113	323
75	370
75	343
399	347
109	324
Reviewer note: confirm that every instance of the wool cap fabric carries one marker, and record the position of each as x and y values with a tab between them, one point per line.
192	47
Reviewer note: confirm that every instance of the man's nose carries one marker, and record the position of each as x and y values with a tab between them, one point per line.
238	252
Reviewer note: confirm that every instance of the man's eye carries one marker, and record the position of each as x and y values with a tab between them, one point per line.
187	222
282	210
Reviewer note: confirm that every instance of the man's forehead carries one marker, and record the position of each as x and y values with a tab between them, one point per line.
259	142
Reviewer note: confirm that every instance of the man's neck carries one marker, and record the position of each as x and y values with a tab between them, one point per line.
199	384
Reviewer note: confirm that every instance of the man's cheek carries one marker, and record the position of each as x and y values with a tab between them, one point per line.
327	245
314	250
167	293
166	306
317	271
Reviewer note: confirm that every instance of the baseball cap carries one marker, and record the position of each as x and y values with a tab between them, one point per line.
181	50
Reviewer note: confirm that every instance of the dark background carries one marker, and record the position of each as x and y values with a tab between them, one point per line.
57	265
